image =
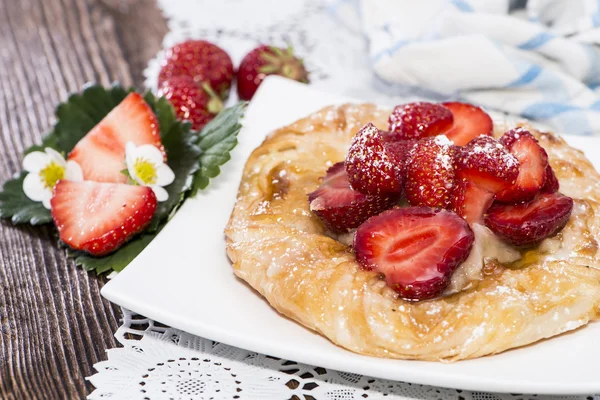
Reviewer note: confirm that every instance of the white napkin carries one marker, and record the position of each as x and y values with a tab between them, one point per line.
536	58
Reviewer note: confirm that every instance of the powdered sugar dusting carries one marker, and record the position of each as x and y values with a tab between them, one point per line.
444	156
494	148
488	156
370	168
443	140
418	120
430	172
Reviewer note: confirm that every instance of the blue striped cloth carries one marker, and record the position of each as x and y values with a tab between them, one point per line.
535	58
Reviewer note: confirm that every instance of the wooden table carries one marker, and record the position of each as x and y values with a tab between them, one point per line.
54	325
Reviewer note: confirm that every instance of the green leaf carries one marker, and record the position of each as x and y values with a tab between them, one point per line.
116	261
18	207
194	158
164	112
216	141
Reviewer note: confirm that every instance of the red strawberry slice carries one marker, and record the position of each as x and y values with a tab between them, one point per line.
99	217
370	168
416	248
533	162
430	173
487	163
469	122
339	207
526	224
101	153
470	201
418	120
551	184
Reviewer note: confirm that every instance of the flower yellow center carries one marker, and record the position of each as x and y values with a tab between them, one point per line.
145	171
51	174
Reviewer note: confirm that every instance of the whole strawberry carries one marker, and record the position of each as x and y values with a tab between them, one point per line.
195	103
268	60
203	61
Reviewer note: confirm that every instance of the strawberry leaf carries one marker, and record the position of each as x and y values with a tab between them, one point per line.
193	157
216	140
18	207
164	113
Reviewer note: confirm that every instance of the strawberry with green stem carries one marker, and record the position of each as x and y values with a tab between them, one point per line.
206	63
268	60
197	104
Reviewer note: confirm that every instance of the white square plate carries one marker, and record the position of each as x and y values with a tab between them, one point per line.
184	279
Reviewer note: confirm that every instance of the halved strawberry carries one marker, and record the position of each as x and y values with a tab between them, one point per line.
487	163
551	184
418	120
99	217
101	153
470	201
527	224
416	248
369	166
430	172
469	122
533	162
339	207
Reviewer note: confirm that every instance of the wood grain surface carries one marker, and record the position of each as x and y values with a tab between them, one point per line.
54	325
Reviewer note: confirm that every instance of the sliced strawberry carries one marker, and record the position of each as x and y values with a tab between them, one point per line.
369	166
339	207
101	153
416	248
418	120
470	201
533	162
527	224
469	122
487	163
99	217
430	173
551	184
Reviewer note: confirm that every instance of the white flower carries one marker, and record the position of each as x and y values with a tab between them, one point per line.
45	170
146	167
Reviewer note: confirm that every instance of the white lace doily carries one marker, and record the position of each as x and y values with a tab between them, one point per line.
157	362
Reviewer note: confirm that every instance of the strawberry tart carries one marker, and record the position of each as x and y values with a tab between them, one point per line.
424	232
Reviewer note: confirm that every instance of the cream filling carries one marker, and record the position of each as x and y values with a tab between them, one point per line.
486	247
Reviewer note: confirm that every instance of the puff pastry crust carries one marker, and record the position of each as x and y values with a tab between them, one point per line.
283	251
